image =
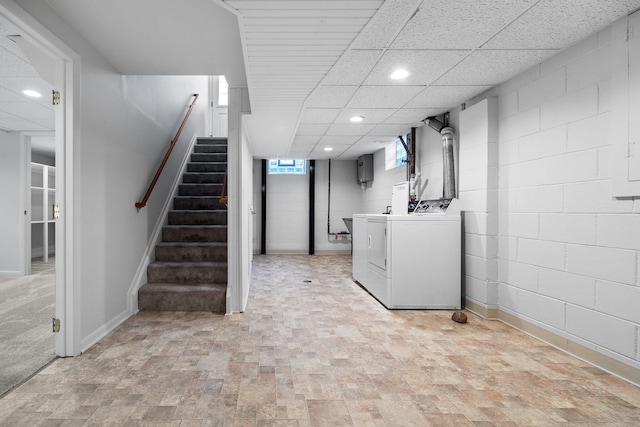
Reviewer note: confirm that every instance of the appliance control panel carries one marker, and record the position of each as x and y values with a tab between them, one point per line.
429	206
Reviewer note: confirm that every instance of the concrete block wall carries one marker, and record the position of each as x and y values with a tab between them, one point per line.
477	191
376	195
568	250
288	208
287	213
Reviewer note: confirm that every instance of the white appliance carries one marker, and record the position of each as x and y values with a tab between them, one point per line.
410	261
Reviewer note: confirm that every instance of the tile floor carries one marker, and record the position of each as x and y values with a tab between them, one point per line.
27	305
323	353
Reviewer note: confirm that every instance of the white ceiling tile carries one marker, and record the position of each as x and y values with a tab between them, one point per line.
12	66
18	84
445	97
460	24
383	96
312	129
376	140
300	150
306	139
27	110
358	150
330	96
319	115
386	24
353	67
412	116
390	130
492	67
569	22
17	124
349	129
338	139
10	96
319	153
424	66
371	115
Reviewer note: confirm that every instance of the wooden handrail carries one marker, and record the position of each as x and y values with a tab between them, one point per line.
223	198
143	202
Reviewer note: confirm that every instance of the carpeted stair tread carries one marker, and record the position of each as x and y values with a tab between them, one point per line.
194	233
208	157
203	178
210	190
197	217
187	272
188	264
193	203
209	297
210	148
212	140
190	270
192	244
206	166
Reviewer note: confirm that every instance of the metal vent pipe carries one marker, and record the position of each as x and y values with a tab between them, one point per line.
449	173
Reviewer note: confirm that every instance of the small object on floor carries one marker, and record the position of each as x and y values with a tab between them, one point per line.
459	317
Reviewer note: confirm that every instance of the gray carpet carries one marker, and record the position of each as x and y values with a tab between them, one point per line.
26	309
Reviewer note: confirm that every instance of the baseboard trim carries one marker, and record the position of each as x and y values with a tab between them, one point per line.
140	277
589	355
303	252
481	310
90	340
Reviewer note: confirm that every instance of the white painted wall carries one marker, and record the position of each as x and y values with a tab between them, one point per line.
478	193
124	128
376	195
568	251
12	202
288	207
248	217
287	213
346	200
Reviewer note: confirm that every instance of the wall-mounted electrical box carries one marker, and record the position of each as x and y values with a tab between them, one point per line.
365	168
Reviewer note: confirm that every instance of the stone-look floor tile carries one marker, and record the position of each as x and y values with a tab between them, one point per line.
328	413
319	353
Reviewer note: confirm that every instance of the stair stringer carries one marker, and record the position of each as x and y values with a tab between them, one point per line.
140	278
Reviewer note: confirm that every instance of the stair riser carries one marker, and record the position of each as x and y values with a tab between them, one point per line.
200	157
197	218
194	235
210	148
200	190
191	254
150	299
197	203
212	141
203	178
158	273
206	167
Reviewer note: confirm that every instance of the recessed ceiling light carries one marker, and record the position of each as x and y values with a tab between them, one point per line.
356	119
399	74
328	149
32	93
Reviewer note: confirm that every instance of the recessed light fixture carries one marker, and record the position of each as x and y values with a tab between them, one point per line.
32	93
356	119
399	74
328	149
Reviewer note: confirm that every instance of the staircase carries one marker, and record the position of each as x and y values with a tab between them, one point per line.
190	270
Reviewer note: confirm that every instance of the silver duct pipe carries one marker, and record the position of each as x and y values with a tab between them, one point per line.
449	173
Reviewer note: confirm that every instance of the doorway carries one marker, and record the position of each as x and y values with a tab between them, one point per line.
36	54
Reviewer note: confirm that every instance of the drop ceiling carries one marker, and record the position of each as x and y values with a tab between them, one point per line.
19	112
312	64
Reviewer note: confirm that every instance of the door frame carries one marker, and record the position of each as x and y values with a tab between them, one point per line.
67	299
